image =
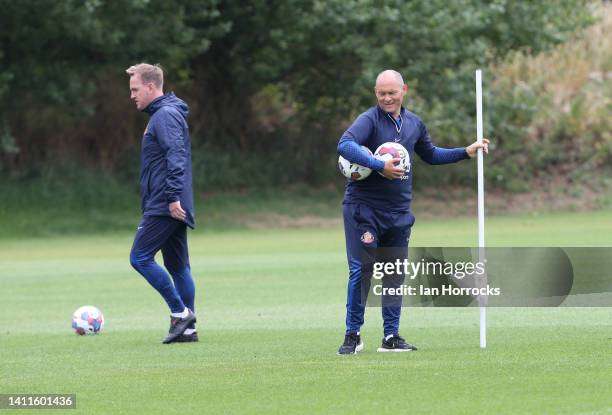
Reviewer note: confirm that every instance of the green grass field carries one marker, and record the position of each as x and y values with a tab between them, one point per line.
271	311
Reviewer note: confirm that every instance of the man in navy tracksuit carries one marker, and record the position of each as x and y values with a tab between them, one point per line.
166	199
376	210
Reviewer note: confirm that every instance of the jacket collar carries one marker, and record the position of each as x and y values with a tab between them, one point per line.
383	113
157	103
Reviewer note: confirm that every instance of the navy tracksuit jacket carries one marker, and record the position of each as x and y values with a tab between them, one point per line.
165	163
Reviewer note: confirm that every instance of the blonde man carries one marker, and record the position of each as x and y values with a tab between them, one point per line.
166	199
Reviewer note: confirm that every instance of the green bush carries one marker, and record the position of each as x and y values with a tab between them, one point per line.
271	88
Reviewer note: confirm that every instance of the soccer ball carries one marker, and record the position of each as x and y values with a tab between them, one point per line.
354	171
87	320
393	150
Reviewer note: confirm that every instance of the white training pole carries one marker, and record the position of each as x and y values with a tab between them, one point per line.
481	238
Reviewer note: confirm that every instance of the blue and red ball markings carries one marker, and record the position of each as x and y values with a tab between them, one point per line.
95	323
394	152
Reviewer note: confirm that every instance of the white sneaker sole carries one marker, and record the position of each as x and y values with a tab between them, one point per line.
383	350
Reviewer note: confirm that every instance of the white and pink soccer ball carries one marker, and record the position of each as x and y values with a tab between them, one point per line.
386	151
87	320
393	150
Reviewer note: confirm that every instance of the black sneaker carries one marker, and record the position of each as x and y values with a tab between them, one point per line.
178	325
396	344
352	344
188	338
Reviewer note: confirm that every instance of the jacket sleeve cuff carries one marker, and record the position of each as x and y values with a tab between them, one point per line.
378	165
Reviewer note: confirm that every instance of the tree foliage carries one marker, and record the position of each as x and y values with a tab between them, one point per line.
270	80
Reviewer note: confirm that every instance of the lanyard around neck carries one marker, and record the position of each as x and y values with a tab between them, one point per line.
397	123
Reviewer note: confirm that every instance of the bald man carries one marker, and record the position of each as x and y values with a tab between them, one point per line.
376	210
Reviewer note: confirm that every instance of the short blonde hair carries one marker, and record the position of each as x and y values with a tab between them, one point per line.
148	73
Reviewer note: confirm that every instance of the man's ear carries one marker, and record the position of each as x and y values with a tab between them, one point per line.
405	88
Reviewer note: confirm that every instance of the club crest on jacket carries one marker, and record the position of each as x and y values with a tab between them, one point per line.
367	237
